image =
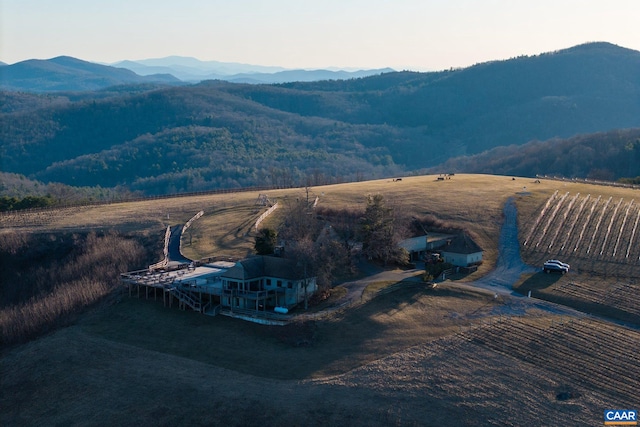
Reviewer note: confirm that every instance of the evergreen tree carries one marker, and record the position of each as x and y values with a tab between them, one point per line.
379	237
266	241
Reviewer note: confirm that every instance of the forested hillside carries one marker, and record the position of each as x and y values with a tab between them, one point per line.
605	156
222	135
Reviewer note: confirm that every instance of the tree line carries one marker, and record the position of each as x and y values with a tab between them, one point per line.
8	203
325	243
606	156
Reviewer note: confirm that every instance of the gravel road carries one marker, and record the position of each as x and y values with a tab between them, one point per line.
509	269
510	266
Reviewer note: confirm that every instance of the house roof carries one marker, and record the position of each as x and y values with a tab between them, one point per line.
421	243
462	244
264	266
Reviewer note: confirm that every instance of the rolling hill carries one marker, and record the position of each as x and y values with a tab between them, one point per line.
223	135
475	356
65	73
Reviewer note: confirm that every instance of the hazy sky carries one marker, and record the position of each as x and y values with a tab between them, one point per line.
402	34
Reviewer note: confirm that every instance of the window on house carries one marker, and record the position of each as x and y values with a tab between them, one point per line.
289	285
279	283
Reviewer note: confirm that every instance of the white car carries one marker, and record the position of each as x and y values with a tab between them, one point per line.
557	266
555	261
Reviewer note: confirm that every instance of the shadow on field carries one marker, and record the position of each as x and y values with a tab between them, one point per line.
537	282
579	294
300	350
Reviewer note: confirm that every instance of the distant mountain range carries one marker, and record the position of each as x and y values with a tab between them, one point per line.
193	70
215	134
65	73
188	68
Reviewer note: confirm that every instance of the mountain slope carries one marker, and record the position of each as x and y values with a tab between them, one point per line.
605	156
587	88
206	67
65	73
181	139
218	134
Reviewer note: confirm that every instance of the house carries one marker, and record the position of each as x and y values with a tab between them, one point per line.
253	286
264	281
457	249
461	251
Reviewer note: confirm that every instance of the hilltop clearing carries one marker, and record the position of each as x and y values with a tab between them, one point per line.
447	355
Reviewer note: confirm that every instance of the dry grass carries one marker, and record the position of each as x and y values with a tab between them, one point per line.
39	298
411	357
373	287
506	373
473	202
223	231
333	346
613	298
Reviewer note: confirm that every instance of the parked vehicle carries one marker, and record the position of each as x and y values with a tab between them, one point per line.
555	266
555	261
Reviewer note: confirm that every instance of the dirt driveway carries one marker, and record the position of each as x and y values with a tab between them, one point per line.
509	268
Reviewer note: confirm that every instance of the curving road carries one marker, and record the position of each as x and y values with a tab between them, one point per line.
175	256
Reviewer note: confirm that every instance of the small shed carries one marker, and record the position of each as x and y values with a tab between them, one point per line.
461	251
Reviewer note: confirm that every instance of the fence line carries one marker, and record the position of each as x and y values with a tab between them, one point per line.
165	261
264	215
83	203
188	224
591	181
258	188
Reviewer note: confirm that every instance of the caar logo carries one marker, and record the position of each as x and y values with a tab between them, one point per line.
620	417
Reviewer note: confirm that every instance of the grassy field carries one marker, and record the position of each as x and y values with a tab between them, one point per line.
300	350
412	357
471	201
416	356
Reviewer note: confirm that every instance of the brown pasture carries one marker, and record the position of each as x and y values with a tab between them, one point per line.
471	201
448	356
413	357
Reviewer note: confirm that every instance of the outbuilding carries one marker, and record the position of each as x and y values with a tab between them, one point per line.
461	251
417	247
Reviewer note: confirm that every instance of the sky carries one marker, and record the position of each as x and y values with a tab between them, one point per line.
421	35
